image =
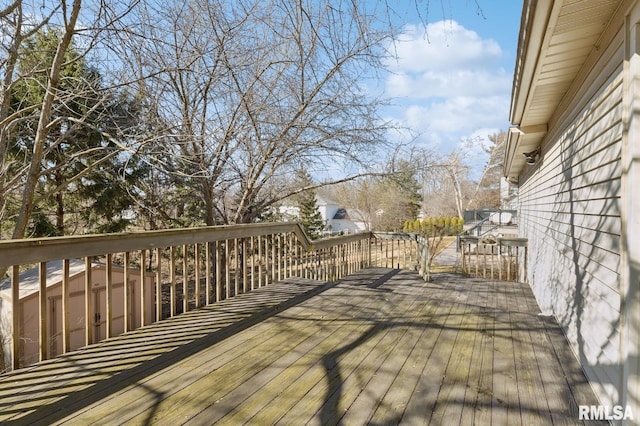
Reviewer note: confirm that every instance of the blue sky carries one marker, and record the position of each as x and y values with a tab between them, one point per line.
452	79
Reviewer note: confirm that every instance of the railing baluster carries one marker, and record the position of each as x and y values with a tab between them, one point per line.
207	299
66	332
227	268
273	259
158	286
88	303
185	278
253	263
244	264
15	317
279	256
125	292
143	287
218	273
260	242
42	311
236	261
108	295
197	274
172	281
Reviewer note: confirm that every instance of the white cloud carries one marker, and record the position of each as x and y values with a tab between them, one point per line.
458	115
441	45
449	84
461	82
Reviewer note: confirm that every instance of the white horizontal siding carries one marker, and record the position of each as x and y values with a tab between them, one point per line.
570	212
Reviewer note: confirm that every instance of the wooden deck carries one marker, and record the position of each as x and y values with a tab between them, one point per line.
379	347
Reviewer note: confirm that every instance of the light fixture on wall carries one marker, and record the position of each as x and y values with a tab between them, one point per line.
530	157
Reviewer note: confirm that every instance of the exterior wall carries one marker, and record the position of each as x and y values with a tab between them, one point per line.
348	226
630	259
569	209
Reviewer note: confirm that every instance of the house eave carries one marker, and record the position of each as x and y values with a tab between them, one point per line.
556	39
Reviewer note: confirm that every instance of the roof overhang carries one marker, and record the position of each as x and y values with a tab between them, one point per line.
556	39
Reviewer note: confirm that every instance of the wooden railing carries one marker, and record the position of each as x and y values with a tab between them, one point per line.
75	291
494	257
401	250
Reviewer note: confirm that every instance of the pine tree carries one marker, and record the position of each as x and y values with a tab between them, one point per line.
310	217
85	176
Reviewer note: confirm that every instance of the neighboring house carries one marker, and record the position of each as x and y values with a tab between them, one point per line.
335	218
348	221
575	112
29	301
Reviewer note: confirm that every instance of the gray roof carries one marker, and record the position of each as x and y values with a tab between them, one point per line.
30	279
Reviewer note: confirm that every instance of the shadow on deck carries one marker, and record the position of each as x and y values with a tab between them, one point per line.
378	347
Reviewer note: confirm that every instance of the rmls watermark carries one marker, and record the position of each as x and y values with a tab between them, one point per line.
604	412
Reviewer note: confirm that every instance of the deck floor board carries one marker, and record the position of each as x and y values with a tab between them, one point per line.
379	347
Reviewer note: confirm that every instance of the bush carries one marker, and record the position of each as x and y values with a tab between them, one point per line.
433	226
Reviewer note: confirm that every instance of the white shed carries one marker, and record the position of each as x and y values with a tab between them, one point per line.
29	297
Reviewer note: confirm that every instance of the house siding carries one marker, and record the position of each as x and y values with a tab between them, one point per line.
569	209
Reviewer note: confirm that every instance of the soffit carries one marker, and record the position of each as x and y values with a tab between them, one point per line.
556	38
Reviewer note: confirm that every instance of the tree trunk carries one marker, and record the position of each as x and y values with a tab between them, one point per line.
35	168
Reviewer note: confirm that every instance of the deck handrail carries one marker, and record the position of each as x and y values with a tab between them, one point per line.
29	250
157	274
491	256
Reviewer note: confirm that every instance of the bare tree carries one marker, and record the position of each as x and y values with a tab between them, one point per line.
253	92
487	189
236	95
15	27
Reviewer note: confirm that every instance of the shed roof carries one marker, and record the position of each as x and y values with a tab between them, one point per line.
30	279
557	38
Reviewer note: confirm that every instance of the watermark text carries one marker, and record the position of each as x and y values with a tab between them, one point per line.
604	412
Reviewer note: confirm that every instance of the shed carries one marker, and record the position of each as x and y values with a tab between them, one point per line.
29	301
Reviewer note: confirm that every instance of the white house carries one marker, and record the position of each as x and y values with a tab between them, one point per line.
335	218
29	302
574	152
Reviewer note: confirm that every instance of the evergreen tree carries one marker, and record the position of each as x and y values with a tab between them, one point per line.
310	216
85	175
